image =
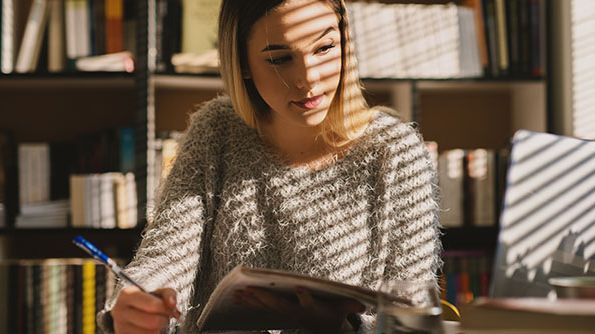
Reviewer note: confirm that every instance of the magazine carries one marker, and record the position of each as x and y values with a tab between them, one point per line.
222	313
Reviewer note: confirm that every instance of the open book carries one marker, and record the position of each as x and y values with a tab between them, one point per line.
221	313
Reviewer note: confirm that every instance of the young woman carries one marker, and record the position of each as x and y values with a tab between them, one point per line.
290	171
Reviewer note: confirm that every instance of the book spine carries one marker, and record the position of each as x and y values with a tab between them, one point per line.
8	36
491	33
31	44
37	299
502	36
5	286
512	16
451	171
56	37
127	148
114	26
77	323
480	30
88	285
100	290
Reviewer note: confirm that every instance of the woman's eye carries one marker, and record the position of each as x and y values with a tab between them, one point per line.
325	49
279	60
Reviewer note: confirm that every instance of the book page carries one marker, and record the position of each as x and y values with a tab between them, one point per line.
221	307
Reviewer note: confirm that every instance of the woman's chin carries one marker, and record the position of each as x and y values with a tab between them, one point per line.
314	117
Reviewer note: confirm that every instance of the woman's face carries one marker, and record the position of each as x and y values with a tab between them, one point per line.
294	59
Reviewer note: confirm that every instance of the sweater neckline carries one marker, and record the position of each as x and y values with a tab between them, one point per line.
278	162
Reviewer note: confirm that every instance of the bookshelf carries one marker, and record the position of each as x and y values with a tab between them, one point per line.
456	113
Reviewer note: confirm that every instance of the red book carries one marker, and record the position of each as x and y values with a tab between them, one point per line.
114	26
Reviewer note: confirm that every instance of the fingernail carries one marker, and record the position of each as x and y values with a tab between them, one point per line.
172	300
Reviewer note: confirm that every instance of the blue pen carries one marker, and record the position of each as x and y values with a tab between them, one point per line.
101	257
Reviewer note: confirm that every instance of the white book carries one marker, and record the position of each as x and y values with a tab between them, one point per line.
24	174
94	192
83	34
34	31
120	200
8	36
448	42
377	54
34	174
131	201
470	60
107	200
400	17
70	25
77	29
451	171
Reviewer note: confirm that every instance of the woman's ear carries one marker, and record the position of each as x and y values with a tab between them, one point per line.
246	74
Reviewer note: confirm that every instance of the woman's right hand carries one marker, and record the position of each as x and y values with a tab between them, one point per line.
139	312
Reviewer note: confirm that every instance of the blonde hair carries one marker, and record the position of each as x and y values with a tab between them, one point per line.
348	114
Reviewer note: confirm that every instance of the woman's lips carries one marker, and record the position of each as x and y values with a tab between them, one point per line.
310	103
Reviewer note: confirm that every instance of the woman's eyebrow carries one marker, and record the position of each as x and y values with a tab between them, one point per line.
273	47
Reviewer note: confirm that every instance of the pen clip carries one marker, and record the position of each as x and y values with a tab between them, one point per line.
91	249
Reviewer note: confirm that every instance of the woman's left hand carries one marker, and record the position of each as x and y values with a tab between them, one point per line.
311	314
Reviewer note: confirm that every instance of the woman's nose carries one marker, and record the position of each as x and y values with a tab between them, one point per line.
308	75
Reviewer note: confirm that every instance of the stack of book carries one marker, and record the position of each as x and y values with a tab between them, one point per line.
52	296
465	276
102	167
414	41
514	42
49	214
51	35
472	186
37	207
178	47
106	200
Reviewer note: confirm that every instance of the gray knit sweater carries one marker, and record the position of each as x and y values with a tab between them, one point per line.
229	199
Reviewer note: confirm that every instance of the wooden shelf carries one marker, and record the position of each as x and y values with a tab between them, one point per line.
214	82
112	80
57	242
470	237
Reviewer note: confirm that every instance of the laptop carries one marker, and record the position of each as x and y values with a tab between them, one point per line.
547	225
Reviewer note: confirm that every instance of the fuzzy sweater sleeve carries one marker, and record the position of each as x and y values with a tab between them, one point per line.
170	250
409	211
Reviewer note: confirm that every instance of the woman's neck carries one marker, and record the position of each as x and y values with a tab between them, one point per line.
299	145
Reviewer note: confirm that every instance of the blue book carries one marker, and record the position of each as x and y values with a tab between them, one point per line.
127	156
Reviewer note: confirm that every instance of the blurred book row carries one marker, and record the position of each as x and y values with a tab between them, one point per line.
86	182
465	276
52	296
414	41
492	38
67	35
472	184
